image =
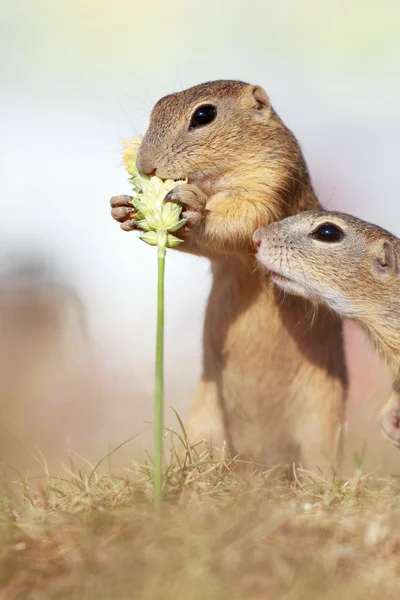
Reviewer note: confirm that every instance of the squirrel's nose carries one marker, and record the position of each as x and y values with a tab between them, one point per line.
145	164
257	238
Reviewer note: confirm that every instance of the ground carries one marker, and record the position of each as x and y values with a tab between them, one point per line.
222	534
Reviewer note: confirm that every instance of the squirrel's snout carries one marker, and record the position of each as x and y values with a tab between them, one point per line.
145	164
257	238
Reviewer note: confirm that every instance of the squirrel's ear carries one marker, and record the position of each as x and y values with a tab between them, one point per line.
260	97
387	258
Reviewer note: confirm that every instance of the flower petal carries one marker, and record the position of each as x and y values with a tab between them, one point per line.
150	237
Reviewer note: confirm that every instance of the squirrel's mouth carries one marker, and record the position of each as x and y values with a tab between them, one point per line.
278	277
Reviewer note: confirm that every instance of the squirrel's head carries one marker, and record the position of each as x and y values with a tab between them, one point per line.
331	257
205	131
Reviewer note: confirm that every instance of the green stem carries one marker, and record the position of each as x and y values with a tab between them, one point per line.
159	387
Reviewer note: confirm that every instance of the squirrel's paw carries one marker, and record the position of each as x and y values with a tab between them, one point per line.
193	201
390	425
122	211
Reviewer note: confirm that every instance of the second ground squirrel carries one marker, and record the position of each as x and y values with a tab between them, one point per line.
349	265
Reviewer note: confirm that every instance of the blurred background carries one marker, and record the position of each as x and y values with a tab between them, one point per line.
77	295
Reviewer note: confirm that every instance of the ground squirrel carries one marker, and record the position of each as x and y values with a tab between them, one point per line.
273	385
351	266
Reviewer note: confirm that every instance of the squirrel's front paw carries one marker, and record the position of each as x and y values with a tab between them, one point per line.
390	425
193	202
123	211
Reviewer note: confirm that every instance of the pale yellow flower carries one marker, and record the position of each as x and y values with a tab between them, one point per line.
153	215
129	155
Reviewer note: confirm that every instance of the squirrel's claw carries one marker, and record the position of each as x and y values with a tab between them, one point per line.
123	200
193	202
129	225
190	196
172	196
122	211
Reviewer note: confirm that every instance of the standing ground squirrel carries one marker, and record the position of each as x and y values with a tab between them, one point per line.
273	384
351	266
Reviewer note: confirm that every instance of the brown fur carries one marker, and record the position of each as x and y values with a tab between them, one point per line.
357	276
273	384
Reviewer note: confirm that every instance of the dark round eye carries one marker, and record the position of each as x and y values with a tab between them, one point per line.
328	233
203	115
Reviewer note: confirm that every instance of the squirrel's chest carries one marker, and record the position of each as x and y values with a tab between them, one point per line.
244	332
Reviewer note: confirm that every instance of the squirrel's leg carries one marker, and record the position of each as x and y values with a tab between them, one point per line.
233	217
205	419
319	426
225	222
221	224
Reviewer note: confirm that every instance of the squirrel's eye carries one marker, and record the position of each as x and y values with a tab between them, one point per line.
203	115
328	233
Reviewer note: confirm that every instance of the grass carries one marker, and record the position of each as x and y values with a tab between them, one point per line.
225	532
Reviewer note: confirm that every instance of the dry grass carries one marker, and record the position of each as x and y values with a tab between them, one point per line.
225	533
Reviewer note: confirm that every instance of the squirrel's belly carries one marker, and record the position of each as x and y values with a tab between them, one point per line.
273	375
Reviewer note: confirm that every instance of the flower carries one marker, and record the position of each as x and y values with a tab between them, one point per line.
129	156
152	214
